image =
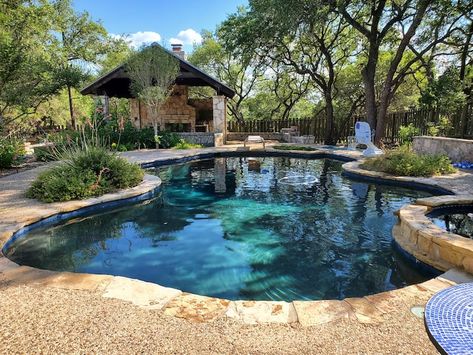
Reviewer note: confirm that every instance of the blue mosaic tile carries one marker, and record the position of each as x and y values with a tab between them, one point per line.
449	319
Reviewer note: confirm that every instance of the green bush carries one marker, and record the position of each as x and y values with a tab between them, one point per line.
186	145
168	139
293	147
407	133
128	138
404	162
10	151
85	172
46	153
442	128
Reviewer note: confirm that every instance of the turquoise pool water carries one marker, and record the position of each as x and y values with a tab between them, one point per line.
241	228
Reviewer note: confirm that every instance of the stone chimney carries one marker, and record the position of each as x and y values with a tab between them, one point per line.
177	49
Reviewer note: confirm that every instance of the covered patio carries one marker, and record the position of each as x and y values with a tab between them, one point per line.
197	119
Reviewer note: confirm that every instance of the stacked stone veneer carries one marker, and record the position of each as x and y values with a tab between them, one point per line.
207	139
241	136
175	110
417	235
220	119
456	149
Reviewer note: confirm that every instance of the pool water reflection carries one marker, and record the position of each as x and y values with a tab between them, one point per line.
228	228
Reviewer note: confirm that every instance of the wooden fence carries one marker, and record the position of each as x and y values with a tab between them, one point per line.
421	119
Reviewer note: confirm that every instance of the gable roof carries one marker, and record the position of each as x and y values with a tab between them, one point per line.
116	83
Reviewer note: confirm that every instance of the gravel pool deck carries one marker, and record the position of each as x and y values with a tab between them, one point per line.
60	316
53	320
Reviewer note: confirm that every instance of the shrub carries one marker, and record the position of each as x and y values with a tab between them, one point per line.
442	128
46	153
10	151
186	145
293	147
407	133
127	138
85	172
168	139
404	162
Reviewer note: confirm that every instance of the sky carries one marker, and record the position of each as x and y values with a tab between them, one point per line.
147	21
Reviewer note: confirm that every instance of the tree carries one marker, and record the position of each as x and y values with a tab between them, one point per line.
240	71
152	71
464	41
288	88
81	44
404	27
28	73
305	36
118	53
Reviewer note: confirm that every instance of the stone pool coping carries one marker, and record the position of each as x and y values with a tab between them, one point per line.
18	213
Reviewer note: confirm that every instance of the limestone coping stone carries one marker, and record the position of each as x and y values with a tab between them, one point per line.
432	245
172	302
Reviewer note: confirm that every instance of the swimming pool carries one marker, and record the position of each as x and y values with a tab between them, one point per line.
271	228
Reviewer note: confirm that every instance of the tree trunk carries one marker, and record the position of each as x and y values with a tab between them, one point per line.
71	108
467	89
368	74
381	121
329	129
384	102
464	119
155	128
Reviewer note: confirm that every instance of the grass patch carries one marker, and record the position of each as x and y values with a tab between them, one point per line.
293	147
404	162
85	172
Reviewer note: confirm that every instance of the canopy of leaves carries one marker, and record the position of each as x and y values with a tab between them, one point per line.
152	71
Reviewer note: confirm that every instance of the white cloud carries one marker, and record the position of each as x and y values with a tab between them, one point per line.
188	36
137	39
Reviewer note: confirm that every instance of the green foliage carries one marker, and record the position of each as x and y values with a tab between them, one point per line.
152	71
126	137
241	71
445	92
442	128
85	172
28	72
45	46
404	162
45	153
182	144
293	147
407	133
56	109
10	151
168	139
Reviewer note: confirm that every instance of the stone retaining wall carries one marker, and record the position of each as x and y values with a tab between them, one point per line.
416	234
204	138
240	136
456	149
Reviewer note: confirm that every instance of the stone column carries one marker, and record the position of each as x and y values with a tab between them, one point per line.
220	119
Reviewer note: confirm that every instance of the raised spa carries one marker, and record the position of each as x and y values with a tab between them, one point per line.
456	219
268	228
